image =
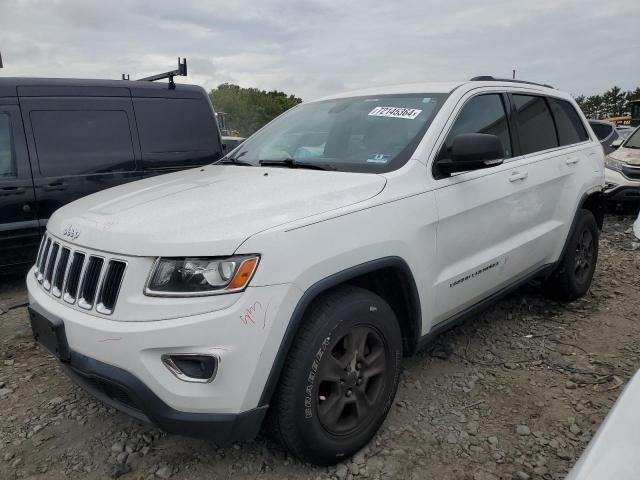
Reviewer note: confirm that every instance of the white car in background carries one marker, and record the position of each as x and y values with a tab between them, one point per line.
612	454
622	172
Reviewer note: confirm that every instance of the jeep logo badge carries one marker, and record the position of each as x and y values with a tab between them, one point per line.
71	232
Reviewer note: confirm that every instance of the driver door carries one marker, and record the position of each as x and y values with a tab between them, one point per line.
483	214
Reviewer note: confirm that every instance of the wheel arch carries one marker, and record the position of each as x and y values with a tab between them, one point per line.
594	202
389	277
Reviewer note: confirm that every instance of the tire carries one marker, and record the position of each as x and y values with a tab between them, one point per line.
325	365
573	276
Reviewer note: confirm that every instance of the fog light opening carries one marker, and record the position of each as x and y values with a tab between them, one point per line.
192	367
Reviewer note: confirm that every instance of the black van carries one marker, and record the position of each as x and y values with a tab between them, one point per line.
61	139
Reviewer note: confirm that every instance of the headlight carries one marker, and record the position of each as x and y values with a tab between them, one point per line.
180	277
613	164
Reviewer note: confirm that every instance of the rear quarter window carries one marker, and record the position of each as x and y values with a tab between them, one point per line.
570	127
175	131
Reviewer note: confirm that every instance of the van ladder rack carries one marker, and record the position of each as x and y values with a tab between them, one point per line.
181	71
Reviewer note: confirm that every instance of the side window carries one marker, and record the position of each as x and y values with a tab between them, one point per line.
482	114
570	128
7	167
81	142
175	130
535	124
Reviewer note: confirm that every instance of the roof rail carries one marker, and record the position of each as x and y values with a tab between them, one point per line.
484	78
181	71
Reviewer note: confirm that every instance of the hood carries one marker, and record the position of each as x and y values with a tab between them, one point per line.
627	155
205	211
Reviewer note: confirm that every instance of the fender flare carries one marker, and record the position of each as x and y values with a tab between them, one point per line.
322	286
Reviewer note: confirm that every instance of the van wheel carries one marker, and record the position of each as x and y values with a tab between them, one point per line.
340	377
573	276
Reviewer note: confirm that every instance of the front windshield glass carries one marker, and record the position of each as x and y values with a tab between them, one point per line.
634	140
359	134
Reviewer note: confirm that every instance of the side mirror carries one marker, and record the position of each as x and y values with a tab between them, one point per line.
472	151
617	143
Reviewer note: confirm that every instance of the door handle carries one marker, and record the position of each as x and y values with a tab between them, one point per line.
52	187
515	176
572	160
6	191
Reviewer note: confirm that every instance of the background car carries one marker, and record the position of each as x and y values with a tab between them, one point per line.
606	133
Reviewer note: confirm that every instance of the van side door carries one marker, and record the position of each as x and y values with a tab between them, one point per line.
78	146
19	233
177	130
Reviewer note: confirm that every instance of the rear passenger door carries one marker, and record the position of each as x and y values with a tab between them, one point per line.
176	131
552	143
19	233
78	145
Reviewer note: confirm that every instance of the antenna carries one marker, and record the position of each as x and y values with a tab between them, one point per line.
0	59
513	76
181	72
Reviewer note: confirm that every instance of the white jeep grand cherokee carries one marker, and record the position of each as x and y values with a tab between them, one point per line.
289	280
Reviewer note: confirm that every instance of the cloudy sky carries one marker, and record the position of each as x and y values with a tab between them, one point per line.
316	47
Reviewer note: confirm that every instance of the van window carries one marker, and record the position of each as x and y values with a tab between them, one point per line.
535	124
482	114
75	142
570	127
7	168
175	130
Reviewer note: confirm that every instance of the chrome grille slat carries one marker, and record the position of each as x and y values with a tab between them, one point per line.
51	263
60	271
89	281
110	288
39	257
74	276
43	260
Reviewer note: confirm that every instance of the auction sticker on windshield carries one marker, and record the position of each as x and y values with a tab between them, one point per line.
395	112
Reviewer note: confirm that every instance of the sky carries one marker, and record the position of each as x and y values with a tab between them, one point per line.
314	48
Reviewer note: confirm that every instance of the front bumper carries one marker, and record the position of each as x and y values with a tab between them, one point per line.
125	392
120	361
619	188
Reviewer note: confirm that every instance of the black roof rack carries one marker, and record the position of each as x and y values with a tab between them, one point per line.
485	78
181	71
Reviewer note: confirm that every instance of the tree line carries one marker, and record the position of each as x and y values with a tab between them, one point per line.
245	110
613	103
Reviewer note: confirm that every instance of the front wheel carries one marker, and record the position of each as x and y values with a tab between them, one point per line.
340	377
573	276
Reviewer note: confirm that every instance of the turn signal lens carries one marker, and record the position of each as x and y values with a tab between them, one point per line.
244	274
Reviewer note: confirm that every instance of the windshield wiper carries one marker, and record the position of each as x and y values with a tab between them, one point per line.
292	163
235	161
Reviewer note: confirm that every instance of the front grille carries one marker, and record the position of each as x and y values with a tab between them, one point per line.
90	281
631	172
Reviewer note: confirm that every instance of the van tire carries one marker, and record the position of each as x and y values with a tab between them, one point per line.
320	412
572	278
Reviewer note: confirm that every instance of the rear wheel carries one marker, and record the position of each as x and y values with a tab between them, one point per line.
340	377
573	276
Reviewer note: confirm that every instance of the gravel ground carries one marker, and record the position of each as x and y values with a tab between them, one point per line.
516	393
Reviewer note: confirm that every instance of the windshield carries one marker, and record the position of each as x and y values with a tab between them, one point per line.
634	140
360	134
